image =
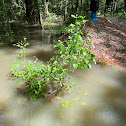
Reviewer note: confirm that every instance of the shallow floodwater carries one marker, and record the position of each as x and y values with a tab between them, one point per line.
98	99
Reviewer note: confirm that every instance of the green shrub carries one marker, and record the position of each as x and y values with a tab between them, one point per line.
40	79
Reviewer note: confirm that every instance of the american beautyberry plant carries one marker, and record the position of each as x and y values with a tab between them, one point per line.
75	50
41	80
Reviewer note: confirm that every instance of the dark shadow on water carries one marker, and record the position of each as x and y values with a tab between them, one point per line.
42	54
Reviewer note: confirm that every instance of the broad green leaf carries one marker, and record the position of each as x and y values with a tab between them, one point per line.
75	66
81	17
64	105
73	16
89	66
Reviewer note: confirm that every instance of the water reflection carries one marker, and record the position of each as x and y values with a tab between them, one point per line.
34	34
98	98
44	52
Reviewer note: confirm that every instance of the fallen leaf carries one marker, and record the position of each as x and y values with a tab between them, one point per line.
19	101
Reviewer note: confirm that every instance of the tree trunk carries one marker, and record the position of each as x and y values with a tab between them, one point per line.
125	4
108	5
77	4
72	7
115	6
46	9
32	11
108	2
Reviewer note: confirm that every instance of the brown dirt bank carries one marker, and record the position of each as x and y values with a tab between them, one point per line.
109	38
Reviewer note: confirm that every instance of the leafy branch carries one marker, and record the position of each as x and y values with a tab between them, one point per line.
41	80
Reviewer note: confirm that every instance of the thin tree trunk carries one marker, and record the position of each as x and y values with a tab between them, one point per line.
66	8
81	4
61	6
46	9
125	4
72	6
52	5
77	3
108	5
115	5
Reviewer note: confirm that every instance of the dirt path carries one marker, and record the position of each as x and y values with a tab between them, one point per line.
109	38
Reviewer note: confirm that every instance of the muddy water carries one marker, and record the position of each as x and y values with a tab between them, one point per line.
99	98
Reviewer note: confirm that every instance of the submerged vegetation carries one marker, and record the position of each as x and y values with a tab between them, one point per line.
42	80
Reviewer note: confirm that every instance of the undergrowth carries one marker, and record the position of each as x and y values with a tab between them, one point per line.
41	80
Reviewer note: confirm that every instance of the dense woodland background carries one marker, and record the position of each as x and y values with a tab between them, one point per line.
37	11
34	10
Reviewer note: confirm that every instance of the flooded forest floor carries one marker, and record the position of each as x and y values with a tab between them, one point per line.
98	99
